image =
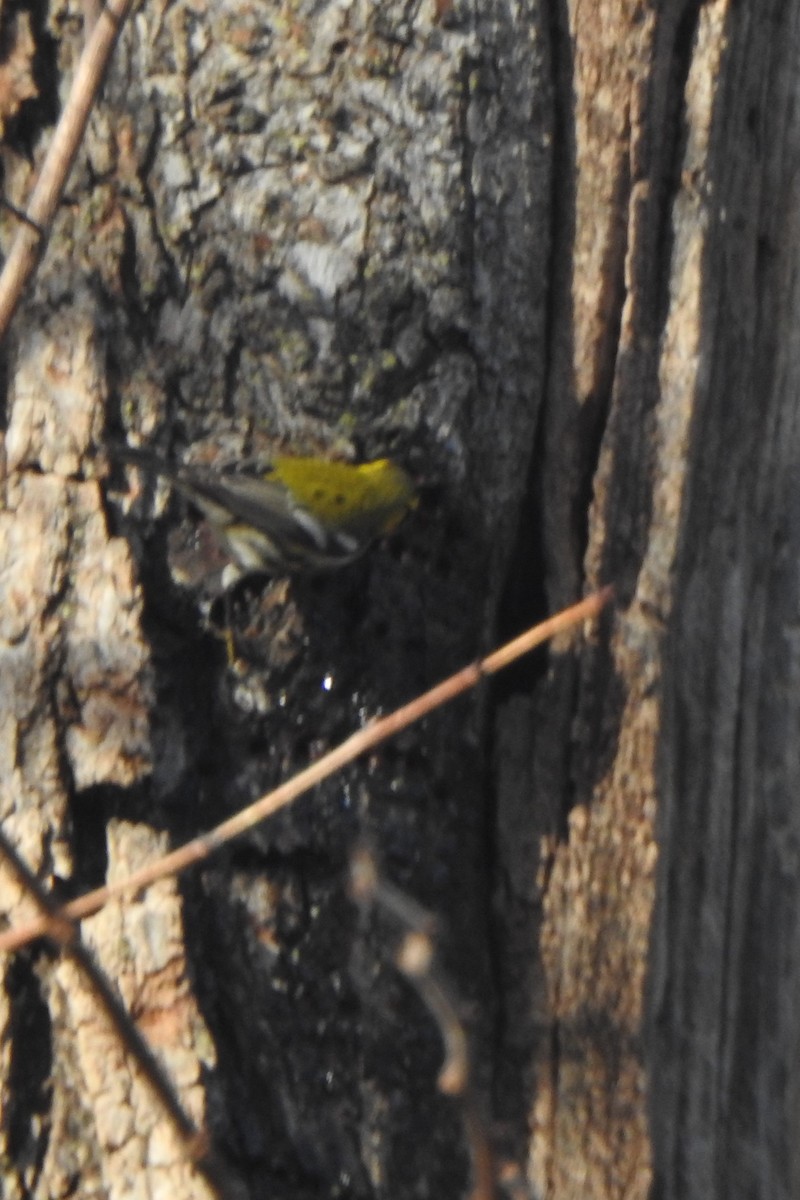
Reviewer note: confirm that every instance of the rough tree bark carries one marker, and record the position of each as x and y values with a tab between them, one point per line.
545	255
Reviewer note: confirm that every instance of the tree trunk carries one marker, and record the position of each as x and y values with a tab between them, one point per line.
544	257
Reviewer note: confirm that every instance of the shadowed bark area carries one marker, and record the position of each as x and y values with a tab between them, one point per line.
545	256
319	228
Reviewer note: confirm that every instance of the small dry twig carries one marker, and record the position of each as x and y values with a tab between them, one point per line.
372	735
31	235
415	957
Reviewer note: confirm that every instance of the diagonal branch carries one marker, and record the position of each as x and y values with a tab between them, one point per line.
32	233
359	743
195	1142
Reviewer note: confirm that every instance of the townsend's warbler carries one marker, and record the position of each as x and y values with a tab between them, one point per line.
302	514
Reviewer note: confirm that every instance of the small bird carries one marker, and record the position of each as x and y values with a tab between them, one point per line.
302	514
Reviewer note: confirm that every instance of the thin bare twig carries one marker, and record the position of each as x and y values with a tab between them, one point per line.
64	933
71	127
415	956
378	731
